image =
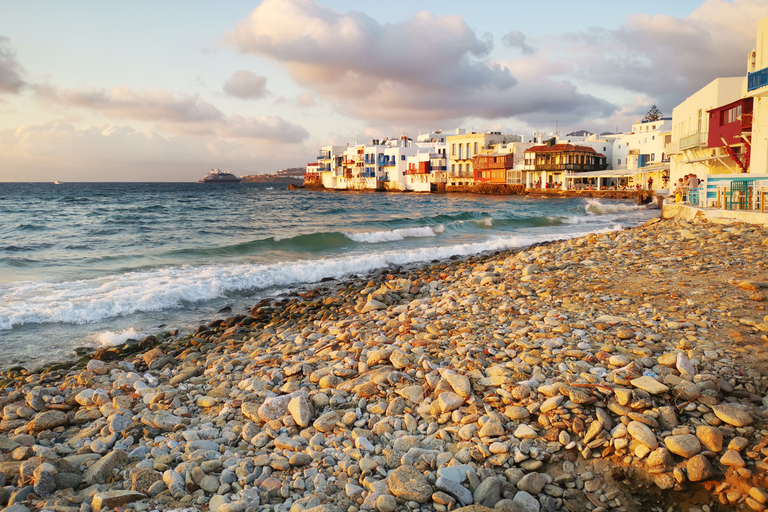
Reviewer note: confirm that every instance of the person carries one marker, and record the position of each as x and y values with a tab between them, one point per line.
693	181
679	191
650	183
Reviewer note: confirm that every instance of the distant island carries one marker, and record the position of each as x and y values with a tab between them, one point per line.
290	175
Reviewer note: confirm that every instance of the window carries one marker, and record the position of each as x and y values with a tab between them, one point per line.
402	157
453	168
475	147
619	161
461	151
453	149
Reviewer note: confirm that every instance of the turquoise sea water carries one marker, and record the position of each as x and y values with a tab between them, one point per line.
84	264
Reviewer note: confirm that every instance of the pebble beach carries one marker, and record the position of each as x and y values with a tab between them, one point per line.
619	371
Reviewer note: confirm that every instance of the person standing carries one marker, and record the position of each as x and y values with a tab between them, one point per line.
650	183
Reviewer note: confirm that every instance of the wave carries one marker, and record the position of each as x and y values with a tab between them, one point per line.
112	338
30	227
595	206
92	300
394	235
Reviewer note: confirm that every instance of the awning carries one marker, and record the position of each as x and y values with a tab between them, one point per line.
654	168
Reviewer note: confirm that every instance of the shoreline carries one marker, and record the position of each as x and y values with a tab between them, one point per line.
598	370
82	352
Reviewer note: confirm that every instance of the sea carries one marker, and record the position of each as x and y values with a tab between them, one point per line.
89	265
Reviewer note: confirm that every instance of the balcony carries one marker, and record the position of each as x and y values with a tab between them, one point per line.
757	79
693	141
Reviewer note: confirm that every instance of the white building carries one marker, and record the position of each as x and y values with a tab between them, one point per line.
689	148
756	87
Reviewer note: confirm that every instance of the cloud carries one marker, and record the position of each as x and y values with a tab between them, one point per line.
305	100
109	152
669	58
10	69
175	113
516	39
355	61
123	102
246	85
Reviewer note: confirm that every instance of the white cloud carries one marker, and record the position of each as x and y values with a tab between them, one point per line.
426	68
61	150
174	113
124	103
668	58
246	85
11	70
516	39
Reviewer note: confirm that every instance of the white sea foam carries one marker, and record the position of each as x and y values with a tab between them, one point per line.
484	222
92	300
394	235
594	206
112	338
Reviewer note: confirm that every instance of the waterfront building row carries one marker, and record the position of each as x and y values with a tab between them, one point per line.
719	134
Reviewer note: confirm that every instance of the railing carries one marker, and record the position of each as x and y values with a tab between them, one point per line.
757	79
694	140
672	147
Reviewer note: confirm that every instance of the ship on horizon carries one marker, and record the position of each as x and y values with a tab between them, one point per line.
217	176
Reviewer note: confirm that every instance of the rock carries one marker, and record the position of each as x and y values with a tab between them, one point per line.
686	445
650	385
112	499
386	503
143	479
732	458
492	428
642	433
699	468
710	437
102	468
684	366
274	407
407	483
523	431
47	420
326	422
299	409
455	489
525	502
732	415
532	483
414	394
460	383
449	401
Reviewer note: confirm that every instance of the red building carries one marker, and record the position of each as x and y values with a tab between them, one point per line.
730	131
492	168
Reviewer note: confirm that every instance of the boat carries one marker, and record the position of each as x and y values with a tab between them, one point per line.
217	176
57	183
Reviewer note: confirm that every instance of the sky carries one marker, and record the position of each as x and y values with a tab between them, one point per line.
165	91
